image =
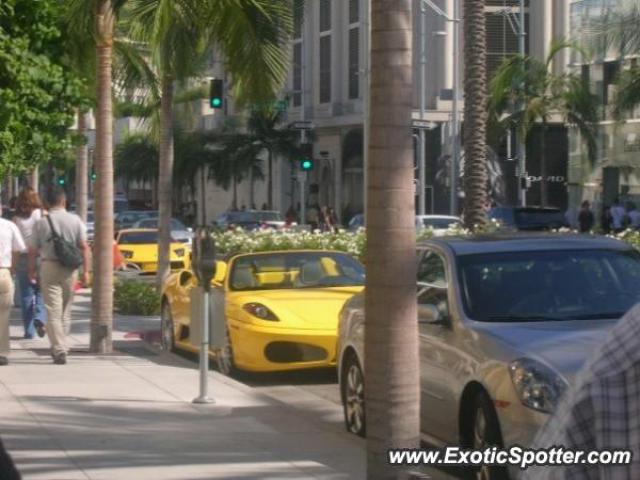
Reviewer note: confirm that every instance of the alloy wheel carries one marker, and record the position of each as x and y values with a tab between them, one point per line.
480	442
224	358
354	399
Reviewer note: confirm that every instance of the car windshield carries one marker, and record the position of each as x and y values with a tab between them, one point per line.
290	270
153	223
532	218
549	285
138	238
440	223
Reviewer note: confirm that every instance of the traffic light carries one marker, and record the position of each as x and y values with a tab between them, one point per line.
93	176
62	181
216	93
306	162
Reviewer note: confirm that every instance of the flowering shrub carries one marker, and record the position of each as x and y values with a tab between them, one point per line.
354	243
240	241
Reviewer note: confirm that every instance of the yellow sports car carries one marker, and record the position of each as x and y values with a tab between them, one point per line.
139	247
281	308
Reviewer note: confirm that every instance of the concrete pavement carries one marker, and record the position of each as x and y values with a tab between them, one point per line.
129	416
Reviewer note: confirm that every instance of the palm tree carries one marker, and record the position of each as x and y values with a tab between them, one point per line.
525	87
251	34
618	30
102	294
264	134
391	338
475	114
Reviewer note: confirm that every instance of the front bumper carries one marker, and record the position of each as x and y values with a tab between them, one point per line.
264	349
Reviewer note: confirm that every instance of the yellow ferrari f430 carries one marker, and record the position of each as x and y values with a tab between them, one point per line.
281	308
139	246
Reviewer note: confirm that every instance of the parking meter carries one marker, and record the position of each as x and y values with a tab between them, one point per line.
204	257
204	267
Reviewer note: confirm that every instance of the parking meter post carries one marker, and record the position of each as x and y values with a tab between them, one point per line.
204	266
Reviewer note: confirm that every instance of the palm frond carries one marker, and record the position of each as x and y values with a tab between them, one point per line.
628	96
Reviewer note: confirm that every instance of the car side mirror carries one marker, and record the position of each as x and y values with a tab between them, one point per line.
430	315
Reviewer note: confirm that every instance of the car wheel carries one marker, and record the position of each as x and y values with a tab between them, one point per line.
484	432
167	337
224	358
352	386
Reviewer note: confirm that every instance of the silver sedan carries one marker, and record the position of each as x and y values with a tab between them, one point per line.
505	323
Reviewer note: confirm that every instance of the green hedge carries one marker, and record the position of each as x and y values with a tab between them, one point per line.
136	298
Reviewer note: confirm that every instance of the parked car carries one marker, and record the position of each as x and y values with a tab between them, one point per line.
179	232
128	218
505	323
281	308
529	218
438	222
250	220
140	248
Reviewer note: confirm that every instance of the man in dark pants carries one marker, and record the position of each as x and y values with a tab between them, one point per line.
8	470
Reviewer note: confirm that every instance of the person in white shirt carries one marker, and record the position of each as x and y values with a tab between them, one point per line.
11	245
617	216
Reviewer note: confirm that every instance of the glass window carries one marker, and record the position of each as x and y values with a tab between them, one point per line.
297	74
325	69
298	18
354	63
325	15
549	285
295	270
354	11
432	282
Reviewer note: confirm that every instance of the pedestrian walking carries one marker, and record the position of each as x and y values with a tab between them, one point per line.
617	216
11	245
28	212
600	411
586	218
61	241
334	219
633	215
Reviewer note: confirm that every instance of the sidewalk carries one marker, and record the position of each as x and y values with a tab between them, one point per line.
129	416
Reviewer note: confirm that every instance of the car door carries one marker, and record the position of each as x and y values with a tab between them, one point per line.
182	303
437	355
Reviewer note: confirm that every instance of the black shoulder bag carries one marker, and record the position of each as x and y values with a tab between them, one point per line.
69	255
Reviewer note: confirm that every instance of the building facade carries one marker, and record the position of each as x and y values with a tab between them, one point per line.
615	173
327	84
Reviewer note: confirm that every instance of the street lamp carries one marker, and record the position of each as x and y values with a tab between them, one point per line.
455	119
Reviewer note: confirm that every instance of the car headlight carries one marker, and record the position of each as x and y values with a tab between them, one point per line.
179	252
538	387
127	254
260	311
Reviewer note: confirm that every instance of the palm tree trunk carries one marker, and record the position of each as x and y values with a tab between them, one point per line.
203	196
475	114
34	180
82	170
270	183
252	199
235	193
544	183
391	339
102	294
165	181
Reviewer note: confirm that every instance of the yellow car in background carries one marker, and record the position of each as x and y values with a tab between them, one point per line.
139	247
281	308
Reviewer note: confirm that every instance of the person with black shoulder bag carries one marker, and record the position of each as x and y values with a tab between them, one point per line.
60	239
